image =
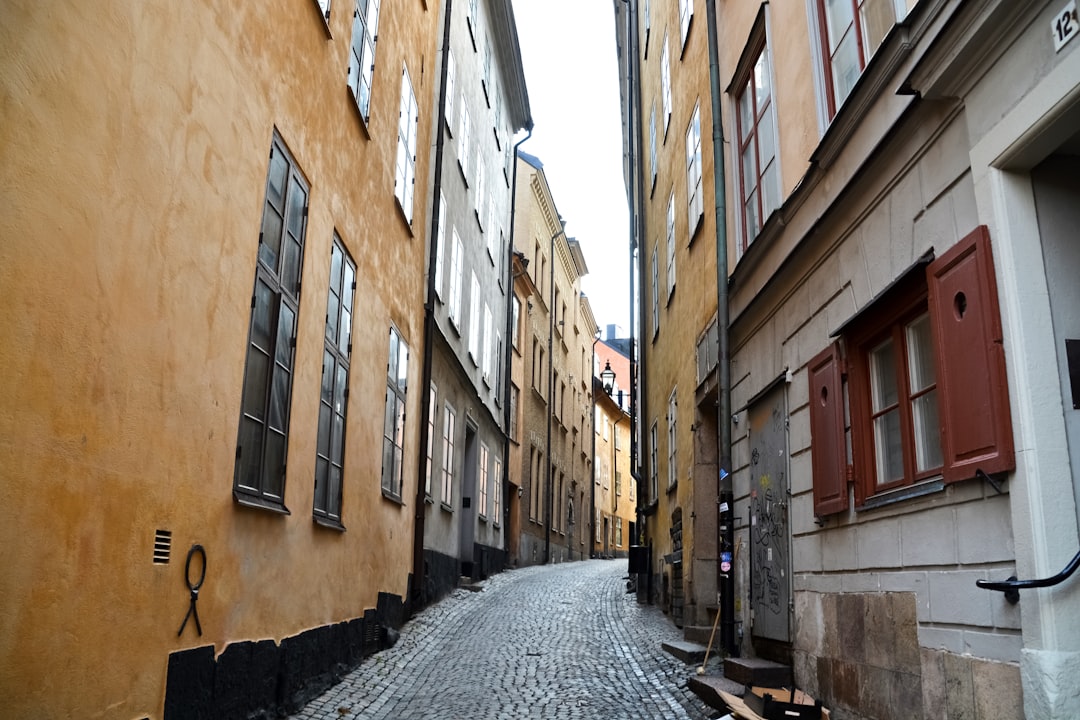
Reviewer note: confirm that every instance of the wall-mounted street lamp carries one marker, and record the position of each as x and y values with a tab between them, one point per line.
607	377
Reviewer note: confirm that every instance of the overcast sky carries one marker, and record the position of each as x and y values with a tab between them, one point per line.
571	69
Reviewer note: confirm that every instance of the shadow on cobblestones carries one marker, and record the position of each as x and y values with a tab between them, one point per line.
565	642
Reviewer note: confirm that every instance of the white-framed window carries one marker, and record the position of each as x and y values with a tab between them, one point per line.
481	191
515	322
686	14
433	408
362	56
671	245
456	259
482	481
474	320
397	374
597	526
655	290
672	438
515	394
485	364
694	203
448	435
464	141
324	7
654	453
451	82
652	148
665	84
496	510
440	247
405	172
759	179
498	360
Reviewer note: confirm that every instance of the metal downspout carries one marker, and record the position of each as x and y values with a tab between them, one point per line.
725	495
550	399
509	349
429	325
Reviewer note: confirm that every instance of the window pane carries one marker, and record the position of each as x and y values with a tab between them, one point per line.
271	238
336	259
920	346
333	500
349	277
339	390
262	316
877	16
333	313
325	414
883	388
337	439
297	201
839	16
251	436
749	166
345	332
887	447
322	472
327	389
770	195
290	270
746	113
750	211
274	477
275	191
391	363
403	367
258	364
286	334
279	399
845	67
766	143
927	428
762	81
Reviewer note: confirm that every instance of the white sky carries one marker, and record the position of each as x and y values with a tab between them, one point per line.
571	69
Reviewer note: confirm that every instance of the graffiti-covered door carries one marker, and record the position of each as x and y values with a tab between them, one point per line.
770	535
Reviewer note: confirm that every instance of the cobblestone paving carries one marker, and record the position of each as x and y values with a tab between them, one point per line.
565	642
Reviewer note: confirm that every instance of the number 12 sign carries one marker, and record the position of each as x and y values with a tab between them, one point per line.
1064	26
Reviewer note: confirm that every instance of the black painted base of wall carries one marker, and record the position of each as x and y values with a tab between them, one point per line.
487	561
442	573
262	679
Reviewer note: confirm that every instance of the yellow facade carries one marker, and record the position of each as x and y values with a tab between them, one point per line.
134	142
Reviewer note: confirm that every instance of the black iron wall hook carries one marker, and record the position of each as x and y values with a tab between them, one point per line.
193	610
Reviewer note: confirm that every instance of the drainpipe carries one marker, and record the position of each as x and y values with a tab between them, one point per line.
509	348
420	505
725	494
550	398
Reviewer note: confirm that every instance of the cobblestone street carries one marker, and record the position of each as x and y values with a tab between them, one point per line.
560	641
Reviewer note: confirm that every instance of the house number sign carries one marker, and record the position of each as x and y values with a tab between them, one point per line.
1064	26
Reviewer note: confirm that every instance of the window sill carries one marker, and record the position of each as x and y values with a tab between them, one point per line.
325	21
672	487
328	523
909	492
358	113
259	503
396	499
446	507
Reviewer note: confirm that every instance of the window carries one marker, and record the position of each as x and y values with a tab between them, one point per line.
851	31
671	245
397	370
654	438
259	473
514	401
487	343
481	191
645	14
496	510
449	419
498	360
694	201
665	85
433	407
324	7
672	438
464	144
474	320
337	349
471	18
686	14
440	247
758	177
927	385
597	526
405	174
652	148
456	258
618	532
362	57
655	288
515	320
618	476
451	81
483	481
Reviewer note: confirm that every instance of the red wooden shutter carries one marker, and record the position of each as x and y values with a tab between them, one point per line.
827	447
973	389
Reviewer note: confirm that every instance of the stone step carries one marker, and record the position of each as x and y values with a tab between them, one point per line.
755	671
688	652
700	634
708	688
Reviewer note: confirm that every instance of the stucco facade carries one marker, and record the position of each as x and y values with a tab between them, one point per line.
915	208
135	156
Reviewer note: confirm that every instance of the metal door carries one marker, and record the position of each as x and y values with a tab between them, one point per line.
770	534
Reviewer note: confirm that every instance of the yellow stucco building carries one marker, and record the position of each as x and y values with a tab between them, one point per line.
213	276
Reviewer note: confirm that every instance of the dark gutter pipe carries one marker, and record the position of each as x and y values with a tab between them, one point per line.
420	504
550	399
725	494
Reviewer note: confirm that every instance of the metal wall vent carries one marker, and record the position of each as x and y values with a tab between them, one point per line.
162	546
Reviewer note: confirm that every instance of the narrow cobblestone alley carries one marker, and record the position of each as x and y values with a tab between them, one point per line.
565	642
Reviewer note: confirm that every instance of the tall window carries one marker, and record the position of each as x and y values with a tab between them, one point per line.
440	247
672	439
515	320
655	289
451	80
448	430
482	480
433	407
671	244
405	173
330	446
481	192
851	32
652	148
618	532
654	482
665	85
456	257
397	369
496	510
464	142
514	401
686	14
758	178
474	320
259	473
694	203
488	341
362	58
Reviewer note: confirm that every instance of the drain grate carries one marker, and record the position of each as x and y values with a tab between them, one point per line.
162	546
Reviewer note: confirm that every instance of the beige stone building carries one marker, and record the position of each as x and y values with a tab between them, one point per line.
213	265
895	332
557	331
